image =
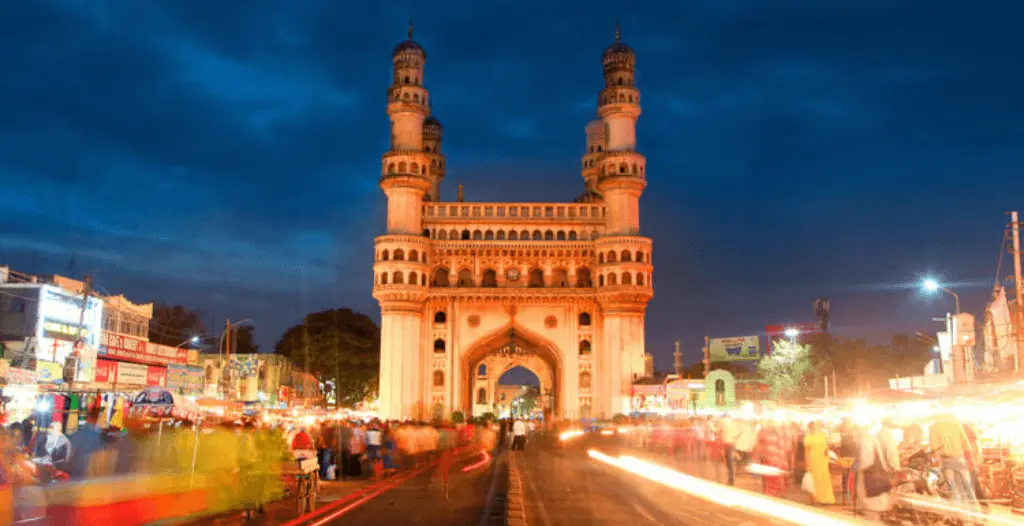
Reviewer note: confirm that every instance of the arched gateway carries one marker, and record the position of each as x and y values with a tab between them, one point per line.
470	290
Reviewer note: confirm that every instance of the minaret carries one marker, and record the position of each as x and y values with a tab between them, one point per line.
405	179
621	177
591	163
624	258
432	132
401	269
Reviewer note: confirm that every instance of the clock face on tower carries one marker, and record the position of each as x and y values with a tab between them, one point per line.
512	274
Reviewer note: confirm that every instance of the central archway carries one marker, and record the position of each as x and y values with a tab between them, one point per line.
520	347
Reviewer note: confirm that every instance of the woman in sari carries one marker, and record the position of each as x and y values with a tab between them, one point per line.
816	454
771	451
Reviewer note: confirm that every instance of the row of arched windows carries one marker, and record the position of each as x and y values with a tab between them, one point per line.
626	279
398	278
403	168
620	97
441	317
501	235
624	168
399	255
405	97
534	278
625	257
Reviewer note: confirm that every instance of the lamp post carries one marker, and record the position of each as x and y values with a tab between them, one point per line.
191	341
932	285
226	375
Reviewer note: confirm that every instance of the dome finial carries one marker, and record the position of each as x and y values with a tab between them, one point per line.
410	28
617	32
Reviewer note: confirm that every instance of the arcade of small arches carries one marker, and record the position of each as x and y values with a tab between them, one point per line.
511	235
413	167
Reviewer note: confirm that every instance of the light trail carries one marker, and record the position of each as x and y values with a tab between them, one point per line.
569	435
724	495
476	465
952	508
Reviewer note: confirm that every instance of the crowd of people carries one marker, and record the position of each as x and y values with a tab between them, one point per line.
813	455
243	462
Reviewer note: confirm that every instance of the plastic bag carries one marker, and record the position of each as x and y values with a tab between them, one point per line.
808	483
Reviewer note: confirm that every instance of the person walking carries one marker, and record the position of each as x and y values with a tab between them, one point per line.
728	433
816	451
946	436
877	451
771	451
518	435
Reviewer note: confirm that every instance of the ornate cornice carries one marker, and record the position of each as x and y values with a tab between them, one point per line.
510	296
392	239
610	242
415	182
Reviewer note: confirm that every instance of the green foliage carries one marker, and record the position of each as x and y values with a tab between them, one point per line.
859	364
244	343
338	345
458	417
788	369
528	401
174	325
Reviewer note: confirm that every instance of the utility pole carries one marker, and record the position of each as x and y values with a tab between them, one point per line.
71	362
226	375
707	356
821	310
1019	326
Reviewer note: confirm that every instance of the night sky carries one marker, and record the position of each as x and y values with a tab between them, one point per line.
225	155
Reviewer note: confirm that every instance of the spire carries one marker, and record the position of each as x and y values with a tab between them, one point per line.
618	36
410	29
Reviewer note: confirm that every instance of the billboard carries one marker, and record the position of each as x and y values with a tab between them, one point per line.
64	328
122	347
736	349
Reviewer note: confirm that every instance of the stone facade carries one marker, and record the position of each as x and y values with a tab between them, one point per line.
558	288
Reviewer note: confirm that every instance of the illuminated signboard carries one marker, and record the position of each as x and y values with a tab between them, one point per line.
62	322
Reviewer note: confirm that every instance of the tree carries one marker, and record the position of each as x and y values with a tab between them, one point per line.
174	325
528	400
243	342
787	369
338	345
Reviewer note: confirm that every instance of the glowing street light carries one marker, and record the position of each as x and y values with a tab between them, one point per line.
191	341
792	332
932	285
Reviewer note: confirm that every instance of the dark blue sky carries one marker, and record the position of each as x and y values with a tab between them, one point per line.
225	155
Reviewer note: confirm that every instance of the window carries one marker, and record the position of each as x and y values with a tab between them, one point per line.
549	236
585	347
537	236
440	317
584	319
482	370
440	278
481	396
414	255
626	256
536	278
399	255
560	278
439	345
466	278
490	278
584	380
583	278
397	278
465	234
438	379
639	256
627	278
477	235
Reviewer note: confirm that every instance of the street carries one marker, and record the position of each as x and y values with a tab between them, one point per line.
563	486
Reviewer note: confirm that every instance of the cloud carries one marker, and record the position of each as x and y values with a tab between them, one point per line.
196	151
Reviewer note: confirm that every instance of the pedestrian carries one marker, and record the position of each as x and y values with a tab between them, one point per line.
878	450
947	438
728	433
770	451
816	453
518	435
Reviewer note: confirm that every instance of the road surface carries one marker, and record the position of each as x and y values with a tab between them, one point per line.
563	486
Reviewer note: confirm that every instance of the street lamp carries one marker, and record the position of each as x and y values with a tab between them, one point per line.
191	341
792	332
932	285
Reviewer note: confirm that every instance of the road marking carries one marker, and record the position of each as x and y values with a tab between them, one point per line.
639	509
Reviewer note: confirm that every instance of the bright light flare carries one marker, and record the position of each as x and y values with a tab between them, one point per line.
569	435
724	495
766	471
930	284
792	332
607	432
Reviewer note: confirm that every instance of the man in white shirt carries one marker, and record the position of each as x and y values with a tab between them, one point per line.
518	435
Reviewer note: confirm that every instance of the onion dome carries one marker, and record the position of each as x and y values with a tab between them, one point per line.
409	45
618	51
589	196
432	127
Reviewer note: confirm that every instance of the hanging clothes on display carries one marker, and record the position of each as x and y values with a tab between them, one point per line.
60	409
117	417
73	414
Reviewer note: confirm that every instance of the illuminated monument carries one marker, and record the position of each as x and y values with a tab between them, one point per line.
469	290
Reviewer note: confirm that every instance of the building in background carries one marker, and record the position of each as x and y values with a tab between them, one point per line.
267	378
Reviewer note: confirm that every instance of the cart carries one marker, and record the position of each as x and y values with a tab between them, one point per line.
305	472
